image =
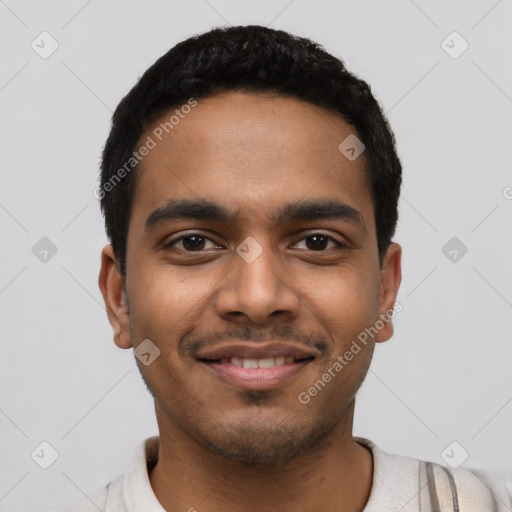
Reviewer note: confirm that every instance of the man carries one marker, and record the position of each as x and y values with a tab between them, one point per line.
250	186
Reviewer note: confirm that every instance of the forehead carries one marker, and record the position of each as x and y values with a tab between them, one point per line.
251	152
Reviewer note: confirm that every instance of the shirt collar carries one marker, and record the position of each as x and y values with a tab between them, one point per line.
132	491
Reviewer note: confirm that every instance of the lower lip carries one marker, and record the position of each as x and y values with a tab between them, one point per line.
256	378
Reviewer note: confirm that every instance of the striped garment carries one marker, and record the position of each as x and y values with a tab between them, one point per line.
438	491
400	484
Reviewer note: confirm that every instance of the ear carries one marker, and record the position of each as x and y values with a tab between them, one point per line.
390	279
112	288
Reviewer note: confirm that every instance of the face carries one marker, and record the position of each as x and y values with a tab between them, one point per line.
252	266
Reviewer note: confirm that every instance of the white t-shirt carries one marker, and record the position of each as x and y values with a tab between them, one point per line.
400	484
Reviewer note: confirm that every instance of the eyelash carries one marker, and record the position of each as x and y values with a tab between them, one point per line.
339	245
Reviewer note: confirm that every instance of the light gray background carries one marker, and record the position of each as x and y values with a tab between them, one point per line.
445	376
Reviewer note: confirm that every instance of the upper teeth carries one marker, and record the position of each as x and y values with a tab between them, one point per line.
268	362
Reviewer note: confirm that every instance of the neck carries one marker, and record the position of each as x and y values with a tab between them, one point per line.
188	476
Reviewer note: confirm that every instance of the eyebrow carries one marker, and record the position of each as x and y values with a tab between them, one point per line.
180	209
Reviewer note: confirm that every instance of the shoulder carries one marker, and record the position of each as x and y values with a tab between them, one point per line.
444	488
432	486
472	489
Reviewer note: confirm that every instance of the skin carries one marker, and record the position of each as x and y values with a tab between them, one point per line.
221	447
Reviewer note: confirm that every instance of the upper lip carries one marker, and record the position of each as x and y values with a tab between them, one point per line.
258	350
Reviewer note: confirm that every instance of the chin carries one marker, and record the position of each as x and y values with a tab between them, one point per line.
253	443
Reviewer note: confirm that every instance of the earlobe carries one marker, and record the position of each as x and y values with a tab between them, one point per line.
390	279
111	285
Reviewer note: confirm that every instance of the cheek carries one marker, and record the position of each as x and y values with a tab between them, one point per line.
166	301
346	302
345	306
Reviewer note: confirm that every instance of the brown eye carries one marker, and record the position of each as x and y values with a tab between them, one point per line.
190	243
318	242
193	243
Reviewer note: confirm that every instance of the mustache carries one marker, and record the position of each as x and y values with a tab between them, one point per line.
188	347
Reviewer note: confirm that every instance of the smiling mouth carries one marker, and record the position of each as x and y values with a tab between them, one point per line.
251	363
256	374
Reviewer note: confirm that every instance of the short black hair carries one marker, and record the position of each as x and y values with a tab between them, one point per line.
255	59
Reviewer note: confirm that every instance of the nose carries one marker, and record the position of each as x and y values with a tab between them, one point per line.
255	290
